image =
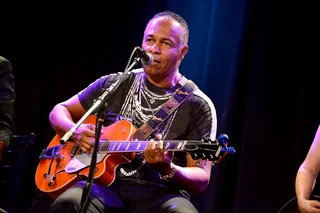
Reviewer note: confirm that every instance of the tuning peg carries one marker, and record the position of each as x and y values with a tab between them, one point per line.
206	140
223	139
231	150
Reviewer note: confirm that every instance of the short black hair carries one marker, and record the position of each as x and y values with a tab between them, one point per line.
178	19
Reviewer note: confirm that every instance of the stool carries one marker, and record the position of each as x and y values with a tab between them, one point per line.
12	167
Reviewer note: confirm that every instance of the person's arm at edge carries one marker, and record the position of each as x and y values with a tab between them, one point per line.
309	170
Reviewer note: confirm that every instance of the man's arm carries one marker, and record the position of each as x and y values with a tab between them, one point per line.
195	176
63	118
309	170
64	115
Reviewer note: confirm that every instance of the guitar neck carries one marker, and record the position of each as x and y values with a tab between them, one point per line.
137	146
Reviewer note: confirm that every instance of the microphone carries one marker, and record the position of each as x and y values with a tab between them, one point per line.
146	58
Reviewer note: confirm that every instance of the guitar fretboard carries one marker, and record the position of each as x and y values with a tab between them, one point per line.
136	146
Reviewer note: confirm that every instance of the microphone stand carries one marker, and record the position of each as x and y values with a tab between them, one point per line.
99	104
101	99
99	122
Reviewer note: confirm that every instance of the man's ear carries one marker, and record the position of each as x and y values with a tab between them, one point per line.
184	51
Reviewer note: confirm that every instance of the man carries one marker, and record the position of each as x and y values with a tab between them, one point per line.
306	178
7	98
155	180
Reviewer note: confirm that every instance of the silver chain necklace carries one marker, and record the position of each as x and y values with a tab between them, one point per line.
141	91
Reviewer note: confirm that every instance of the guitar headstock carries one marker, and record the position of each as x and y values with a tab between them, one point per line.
207	149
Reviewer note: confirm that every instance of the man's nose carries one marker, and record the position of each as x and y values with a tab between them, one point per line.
155	48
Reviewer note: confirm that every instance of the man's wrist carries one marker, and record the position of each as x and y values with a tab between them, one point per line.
164	169
167	176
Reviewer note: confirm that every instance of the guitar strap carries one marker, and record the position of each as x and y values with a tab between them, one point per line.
166	109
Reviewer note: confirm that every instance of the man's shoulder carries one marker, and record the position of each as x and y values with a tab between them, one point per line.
137	71
4	63
118	75
3	59
200	96
113	77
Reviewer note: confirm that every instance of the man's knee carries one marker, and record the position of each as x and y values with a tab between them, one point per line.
100	200
64	206
69	201
179	205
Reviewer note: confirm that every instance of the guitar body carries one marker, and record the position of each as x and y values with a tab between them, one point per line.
51	176
292	205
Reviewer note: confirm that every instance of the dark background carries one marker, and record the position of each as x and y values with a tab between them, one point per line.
257	61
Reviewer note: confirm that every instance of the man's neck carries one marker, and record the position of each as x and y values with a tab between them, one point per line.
166	82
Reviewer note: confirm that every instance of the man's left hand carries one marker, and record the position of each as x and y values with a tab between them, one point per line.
158	158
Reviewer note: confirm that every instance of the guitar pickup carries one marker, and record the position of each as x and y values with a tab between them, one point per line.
74	150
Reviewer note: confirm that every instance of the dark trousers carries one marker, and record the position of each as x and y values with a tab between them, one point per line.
124	196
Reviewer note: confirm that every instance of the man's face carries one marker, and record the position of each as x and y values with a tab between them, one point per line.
162	38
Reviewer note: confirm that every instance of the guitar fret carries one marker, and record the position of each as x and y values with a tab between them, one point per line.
128	146
113	146
142	146
103	146
139	144
166	145
170	145
119	146
132	146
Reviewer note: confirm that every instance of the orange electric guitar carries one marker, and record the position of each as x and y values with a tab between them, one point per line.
61	166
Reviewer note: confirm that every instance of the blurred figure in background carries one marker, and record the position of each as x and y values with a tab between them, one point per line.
7	98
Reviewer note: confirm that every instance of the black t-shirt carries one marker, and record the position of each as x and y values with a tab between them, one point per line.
136	100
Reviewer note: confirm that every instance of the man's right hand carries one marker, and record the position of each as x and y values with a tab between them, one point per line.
84	136
308	206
